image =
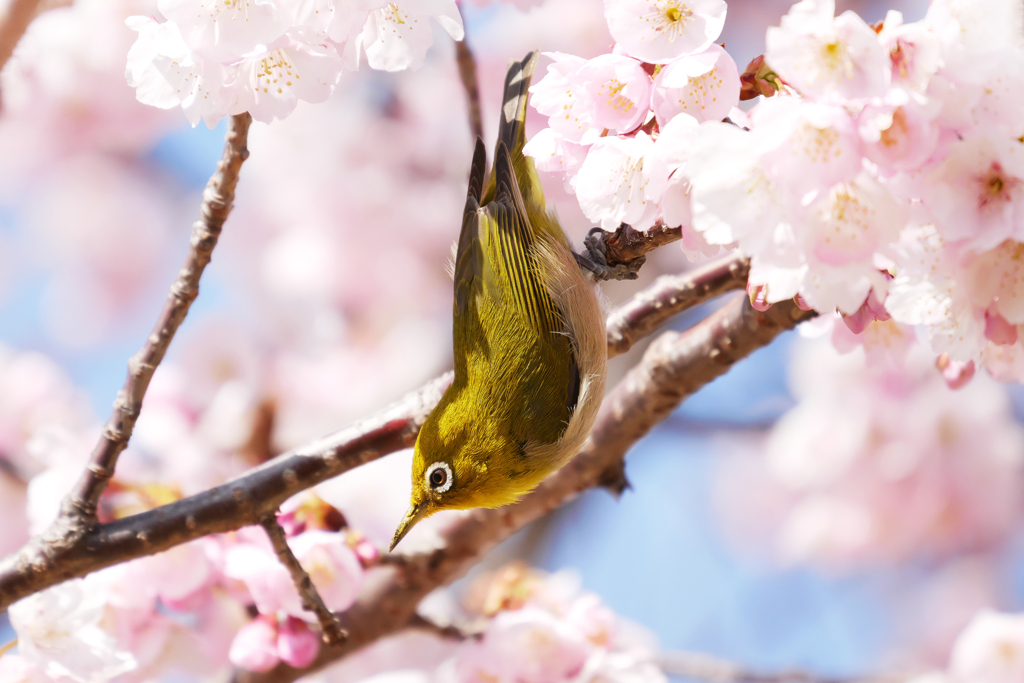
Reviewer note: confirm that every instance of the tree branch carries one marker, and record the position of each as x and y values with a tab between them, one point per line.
20	14
625	244
80	504
311	600
672	294
230	506
674	367
467	73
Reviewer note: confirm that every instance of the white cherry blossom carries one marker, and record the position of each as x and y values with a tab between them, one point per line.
269	83
166	74
397	35
658	31
826	56
990	649
611	184
59	631
223	30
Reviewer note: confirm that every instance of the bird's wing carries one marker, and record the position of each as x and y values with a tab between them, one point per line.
498	280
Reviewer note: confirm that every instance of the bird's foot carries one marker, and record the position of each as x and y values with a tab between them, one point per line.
595	261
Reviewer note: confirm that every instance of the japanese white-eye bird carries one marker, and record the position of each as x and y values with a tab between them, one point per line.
529	339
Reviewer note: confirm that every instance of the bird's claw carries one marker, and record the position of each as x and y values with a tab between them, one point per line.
596	260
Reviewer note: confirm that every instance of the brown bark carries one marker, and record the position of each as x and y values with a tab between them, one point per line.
670	295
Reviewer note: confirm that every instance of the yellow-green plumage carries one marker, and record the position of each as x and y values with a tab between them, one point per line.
528	339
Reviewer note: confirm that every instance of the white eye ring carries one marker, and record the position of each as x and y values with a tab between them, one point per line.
444	485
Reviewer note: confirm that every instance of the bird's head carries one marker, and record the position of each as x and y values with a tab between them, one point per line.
461	471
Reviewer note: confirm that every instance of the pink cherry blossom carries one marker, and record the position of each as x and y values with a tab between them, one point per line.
705	85
560	96
556	155
826	56
816	145
297	645
618	92
914	51
525	644
899	130
611	184
976	194
658	31
255	645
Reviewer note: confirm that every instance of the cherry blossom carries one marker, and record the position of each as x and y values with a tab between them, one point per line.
560	96
826	56
658	31
611	185
704	85
883	463
396	36
59	630
618	92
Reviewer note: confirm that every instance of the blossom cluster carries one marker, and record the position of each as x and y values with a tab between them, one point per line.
534	626
883	178
262	56
880	463
128	621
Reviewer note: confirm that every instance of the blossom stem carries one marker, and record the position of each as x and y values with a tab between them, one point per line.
4	649
311	600
218	198
15	21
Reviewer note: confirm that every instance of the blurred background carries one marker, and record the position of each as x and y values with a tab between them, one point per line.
857	534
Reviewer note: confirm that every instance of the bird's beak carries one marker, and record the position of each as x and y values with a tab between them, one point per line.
417	511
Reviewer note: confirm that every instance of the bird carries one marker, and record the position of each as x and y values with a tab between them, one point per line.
528	336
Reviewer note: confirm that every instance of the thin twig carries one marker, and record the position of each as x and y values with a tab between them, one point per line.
672	294
70	535
450	632
332	633
218	197
697	666
675	366
20	14
467	73
230	506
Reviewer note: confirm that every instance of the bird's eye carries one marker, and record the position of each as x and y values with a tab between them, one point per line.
439	476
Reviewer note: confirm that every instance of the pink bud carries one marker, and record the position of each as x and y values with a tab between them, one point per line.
858	321
297	646
255	646
955	373
758	297
366	552
998	330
